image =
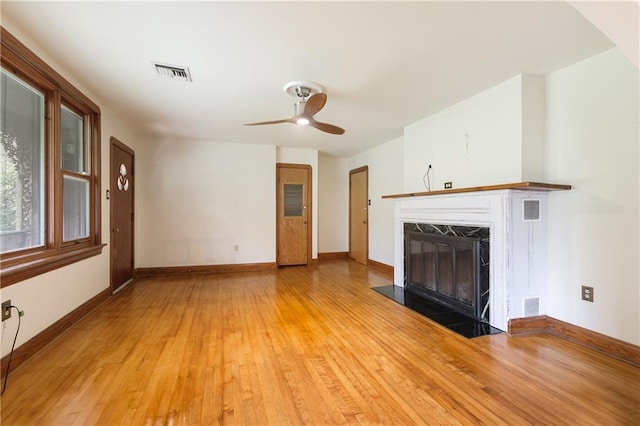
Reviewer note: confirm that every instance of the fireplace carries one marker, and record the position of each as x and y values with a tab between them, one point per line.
514	215
450	265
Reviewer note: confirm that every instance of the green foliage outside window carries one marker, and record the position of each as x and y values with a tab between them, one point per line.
8	183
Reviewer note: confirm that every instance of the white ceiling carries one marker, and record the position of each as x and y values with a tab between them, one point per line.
383	65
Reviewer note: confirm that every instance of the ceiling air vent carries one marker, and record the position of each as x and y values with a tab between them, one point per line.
172	71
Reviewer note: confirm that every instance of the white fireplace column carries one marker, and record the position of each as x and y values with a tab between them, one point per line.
517	224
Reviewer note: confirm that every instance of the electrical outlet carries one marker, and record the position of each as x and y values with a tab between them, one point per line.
6	310
587	293
448	185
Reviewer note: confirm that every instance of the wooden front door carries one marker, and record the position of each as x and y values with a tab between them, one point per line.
122	213
359	214
293	223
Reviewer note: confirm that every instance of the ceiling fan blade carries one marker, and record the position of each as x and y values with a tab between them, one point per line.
286	120
314	104
325	127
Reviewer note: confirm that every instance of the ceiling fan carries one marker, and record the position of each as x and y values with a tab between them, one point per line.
312	100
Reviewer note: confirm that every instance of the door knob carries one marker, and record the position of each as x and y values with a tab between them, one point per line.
116	229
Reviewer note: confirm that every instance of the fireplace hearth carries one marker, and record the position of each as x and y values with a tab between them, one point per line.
449	265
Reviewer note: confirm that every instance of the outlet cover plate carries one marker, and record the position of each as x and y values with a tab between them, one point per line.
6	310
587	293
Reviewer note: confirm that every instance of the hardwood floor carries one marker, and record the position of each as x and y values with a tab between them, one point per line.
304	346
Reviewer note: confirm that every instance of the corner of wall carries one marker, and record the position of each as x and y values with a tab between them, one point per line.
533	127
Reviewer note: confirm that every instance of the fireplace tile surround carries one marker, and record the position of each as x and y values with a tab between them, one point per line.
517	271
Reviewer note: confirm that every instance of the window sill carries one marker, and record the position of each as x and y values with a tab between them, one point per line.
28	269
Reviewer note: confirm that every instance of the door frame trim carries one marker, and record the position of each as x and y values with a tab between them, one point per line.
309	201
113	142
351	172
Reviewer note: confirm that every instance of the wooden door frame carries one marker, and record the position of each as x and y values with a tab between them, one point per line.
351	172
112	188
308	200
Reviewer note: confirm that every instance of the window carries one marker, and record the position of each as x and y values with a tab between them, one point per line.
49	167
21	165
293	204
75	176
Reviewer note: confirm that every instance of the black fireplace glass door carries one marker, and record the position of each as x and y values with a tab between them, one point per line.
464	275
414	252
429	263
445	270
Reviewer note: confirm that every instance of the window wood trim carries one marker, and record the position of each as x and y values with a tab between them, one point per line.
54	253
24	61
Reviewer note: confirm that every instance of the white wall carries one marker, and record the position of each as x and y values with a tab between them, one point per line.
386	165
48	297
592	144
474	142
333	205
204	203
494	137
310	157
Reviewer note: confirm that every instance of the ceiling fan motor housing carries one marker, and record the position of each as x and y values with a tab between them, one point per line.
302	89
303	92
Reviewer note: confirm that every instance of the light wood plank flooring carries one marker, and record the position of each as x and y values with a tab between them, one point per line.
304	346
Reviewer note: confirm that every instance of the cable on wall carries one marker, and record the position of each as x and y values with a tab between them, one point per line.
426	179
6	376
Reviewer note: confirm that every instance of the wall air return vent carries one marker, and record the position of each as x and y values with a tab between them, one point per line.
531	306
530	210
173	71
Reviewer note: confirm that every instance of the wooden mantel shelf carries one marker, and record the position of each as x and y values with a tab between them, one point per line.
523	186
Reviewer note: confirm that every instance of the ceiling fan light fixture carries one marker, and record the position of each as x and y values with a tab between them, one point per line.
311	100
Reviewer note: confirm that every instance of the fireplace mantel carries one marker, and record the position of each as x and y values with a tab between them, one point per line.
518	238
523	186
